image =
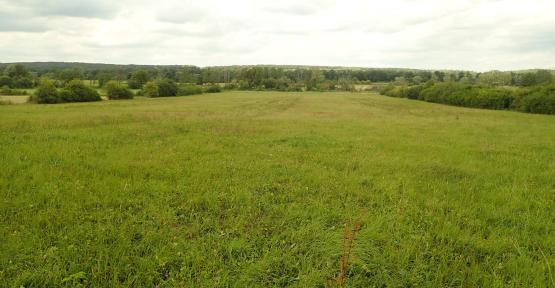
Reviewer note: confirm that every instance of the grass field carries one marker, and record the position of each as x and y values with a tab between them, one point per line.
253	189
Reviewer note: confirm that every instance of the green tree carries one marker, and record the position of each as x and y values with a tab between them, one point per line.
313	79
66	75
138	79
6	80
76	91
46	93
116	91
103	78
166	88
543	77
495	78
16	71
526	79
346	84
150	89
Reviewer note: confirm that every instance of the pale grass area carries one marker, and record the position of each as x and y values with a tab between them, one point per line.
15	99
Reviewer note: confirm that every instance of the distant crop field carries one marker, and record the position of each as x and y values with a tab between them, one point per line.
270	189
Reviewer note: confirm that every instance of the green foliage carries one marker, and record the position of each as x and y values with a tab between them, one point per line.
16	76
104	78
76	91
5	90
188	89
16	71
138	79
411	92
150	89
166	88
345	84
313	79
544	77
6	81
46	93
69	74
455	93
538	100
213	89
23	82
495	78
540	77
116	91
160	88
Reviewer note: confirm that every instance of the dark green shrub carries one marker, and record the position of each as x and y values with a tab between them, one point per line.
76	91
115	91
160	88
539	100
214	89
6	81
387	90
453	93
166	88
185	90
413	92
23	82
466	95
46	93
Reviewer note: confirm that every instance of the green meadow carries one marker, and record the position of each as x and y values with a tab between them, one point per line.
258	189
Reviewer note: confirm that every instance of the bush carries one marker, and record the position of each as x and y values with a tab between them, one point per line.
167	88
466	95
76	91
539	100
160	88
6	81
185	90
453	93
214	89
150	89
23	82
115	91
46	93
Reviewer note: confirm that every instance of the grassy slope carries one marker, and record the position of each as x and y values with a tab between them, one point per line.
253	189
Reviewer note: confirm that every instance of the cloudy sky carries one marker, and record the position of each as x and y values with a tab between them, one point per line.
474	35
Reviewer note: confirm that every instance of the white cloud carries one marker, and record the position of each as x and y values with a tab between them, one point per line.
476	35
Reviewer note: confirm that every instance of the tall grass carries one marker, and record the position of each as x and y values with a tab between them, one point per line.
252	189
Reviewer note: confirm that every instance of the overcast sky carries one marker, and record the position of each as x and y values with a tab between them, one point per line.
474	35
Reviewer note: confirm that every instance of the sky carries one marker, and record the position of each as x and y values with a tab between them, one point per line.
477	35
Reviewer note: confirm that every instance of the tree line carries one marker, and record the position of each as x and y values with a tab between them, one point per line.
27	75
533	99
